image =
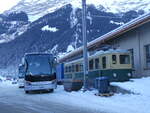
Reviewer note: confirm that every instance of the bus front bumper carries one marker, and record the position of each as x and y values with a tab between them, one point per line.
40	86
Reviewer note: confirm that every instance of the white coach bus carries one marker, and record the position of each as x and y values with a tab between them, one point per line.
40	72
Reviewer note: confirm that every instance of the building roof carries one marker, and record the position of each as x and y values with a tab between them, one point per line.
110	35
101	52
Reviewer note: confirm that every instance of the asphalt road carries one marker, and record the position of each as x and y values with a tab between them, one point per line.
45	108
16	101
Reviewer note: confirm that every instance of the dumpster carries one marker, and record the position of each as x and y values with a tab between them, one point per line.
102	84
72	85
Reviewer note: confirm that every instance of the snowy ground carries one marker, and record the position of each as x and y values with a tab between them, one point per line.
119	103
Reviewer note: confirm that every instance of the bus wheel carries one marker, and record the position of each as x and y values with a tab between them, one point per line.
51	90
26	92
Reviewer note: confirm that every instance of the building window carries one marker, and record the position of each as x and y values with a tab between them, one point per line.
91	64
104	62
132	56
114	59
97	63
124	59
147	52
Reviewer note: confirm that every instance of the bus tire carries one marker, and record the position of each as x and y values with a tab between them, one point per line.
51	90
26	92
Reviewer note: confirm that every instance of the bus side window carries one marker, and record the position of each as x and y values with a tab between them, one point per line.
97	63
91	64
114	59
104	62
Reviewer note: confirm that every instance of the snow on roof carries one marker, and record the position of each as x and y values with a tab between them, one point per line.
98	53
112	34
37	53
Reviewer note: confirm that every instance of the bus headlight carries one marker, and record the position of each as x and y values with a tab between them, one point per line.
54	82
28	82
129	74
114	74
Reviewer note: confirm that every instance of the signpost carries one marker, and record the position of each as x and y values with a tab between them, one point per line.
85	57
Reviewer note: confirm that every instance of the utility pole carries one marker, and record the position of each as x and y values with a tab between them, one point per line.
85	58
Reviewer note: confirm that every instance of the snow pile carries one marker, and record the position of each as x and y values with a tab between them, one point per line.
2	78
138	86
119	103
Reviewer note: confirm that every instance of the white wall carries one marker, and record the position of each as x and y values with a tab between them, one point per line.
136	39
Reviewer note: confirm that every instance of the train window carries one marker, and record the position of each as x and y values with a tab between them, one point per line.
81	67
114	59
124	59
97	63
91	64
65	69
73	68
69	70
104	62
77	68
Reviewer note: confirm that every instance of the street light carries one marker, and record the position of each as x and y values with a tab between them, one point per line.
85	58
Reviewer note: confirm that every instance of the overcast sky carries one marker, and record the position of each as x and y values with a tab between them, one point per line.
7	4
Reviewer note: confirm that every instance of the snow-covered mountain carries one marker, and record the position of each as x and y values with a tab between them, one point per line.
12	26
54	26
38	8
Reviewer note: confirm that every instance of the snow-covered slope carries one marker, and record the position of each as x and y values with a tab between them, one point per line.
12	26
38	8
58	30
117	6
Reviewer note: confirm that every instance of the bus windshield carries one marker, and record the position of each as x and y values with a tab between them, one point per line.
38	65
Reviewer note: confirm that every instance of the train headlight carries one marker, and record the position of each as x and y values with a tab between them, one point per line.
114	74
129	74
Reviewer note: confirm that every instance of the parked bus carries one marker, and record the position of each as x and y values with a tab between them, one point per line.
21	74
40	72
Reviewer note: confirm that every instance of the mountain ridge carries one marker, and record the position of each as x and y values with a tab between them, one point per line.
38	8
57	32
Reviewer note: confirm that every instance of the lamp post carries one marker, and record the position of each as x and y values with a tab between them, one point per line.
85	58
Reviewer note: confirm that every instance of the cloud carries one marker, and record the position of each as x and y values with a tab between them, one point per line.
7	4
